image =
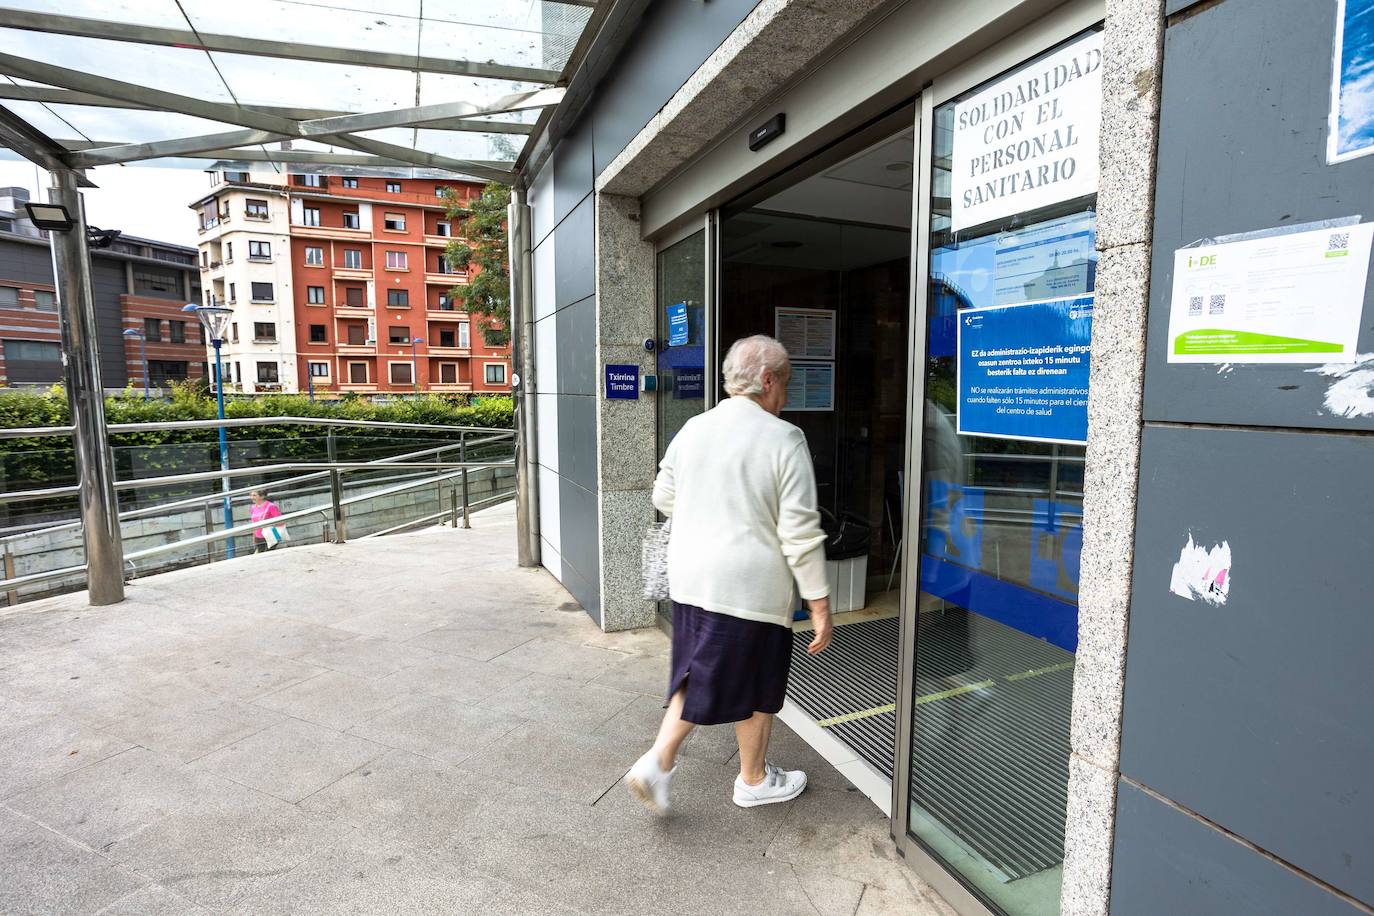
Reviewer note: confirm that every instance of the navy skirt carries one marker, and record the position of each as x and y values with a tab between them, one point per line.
732	668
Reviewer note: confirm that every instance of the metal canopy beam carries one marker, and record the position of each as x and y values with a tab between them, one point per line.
287	157
236	44
34	145
68	97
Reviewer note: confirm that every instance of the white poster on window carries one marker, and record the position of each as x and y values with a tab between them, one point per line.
1028	140
805	333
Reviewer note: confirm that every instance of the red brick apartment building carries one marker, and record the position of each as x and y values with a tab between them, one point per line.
370	287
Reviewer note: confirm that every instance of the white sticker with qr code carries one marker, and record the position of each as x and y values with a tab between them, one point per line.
1290	297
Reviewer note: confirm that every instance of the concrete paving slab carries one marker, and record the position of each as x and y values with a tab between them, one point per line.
152	900
41	872
366	656
638	724
291	638
226	844
581	767
36	750
396	623
454	678
291	759
436	729
839	833
481	643
332	699
190	735
646	674
561	659
402	795
246	674
567	704
111	799
364	875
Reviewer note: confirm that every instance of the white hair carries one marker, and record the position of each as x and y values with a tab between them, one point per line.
748	359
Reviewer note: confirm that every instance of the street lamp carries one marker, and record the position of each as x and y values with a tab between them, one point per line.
214	319
142	354
414	373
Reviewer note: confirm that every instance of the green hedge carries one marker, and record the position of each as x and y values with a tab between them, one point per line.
49	461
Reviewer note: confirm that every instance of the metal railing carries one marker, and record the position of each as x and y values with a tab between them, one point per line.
453	474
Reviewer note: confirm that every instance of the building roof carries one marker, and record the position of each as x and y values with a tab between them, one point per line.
388	86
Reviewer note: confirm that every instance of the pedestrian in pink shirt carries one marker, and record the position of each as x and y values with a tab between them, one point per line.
265	539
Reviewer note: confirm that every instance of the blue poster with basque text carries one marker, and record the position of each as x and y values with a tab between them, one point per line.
1023	370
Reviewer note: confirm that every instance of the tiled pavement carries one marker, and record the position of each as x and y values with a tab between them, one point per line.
402	725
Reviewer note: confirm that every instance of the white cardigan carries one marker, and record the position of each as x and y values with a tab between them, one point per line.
739	486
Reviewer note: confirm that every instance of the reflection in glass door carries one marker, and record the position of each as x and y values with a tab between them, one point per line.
681	353
1000	528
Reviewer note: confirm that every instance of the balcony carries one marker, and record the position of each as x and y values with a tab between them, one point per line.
455	278
352	349
353	273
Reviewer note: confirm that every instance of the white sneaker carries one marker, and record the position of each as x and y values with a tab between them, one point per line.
649	783
778	785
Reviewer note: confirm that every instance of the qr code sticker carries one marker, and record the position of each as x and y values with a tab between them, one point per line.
1216	305
1194	305
1338	241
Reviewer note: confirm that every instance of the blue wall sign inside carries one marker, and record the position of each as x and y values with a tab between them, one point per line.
1023	370
622	382
678	331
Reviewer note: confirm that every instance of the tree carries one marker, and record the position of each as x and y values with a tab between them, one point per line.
483	246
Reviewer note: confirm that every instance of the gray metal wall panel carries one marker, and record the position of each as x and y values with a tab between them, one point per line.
110	282
574	254
1178	6
1247	92
580	533
577	439
27	263
1257	713
576	330
1167	862
670	43
573	176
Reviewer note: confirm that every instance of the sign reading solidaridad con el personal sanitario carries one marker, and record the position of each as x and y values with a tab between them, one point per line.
1030	139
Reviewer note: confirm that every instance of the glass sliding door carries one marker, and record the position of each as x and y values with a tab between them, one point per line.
999	528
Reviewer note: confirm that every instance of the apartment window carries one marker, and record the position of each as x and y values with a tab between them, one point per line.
447	337
44	301
350	219
255	209
393	187
148	280
32	351
152	329
443	228
448	373
398	298
314	295
439	190
259	251
228	252
496	373
464	335
357	373
262	292
400	374
353	296
264	330
312	181
445	303
267	374
317	334
234	332
161	371
314	257
353	258
394	222
177	331
443	266
357	335
311	216
232	296
320	370
205	259
236	176
397	260
399	334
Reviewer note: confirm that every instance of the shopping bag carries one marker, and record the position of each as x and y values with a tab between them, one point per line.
274	535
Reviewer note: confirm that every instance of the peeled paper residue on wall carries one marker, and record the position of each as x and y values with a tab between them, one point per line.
1202	573
1352	392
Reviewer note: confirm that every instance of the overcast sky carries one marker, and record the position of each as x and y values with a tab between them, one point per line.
147	202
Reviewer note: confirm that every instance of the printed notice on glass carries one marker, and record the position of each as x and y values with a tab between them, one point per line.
1029	140
1291	298
806	333
811	388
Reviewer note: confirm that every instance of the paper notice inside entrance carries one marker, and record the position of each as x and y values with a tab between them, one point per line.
1291	298
806	333
811	387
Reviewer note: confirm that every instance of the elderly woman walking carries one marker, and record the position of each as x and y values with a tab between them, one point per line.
739	487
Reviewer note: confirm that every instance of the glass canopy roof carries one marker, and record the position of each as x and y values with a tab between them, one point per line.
417	87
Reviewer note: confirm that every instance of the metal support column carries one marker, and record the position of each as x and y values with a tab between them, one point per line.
522	358
76	303
336	491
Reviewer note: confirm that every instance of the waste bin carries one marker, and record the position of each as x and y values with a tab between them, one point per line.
847	541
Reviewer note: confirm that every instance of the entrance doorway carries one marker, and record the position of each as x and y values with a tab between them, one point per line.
821	259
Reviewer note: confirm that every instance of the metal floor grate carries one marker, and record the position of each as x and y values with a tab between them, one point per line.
991	722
